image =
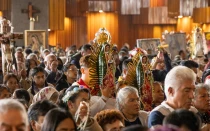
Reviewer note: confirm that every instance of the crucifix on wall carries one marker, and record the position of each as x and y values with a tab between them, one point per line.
30	10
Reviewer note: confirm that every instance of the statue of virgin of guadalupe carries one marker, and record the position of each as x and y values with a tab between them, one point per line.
198	42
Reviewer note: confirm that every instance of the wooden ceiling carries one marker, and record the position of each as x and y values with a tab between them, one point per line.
5	5
76	21
171	8
152	11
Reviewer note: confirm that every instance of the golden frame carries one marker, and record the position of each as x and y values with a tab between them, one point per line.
35	39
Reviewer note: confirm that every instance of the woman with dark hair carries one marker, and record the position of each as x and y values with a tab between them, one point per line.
60	63
21	94
60	102
38	81
184	119
4	92
69	76
11	81
30	64
76	101
59	120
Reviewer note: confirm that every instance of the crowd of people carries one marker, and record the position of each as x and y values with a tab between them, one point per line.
50	91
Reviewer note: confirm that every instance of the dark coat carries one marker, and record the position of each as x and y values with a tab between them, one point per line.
62	83
53	77
75	59
160	75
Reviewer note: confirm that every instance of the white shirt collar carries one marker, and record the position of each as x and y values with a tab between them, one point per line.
167	106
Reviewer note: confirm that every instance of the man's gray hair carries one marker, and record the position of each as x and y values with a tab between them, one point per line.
19	49
30	56
48	56
201	86
45	50
11	104
123	94
177	76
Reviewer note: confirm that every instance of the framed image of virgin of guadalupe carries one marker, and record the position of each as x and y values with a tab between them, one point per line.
150	45
35	39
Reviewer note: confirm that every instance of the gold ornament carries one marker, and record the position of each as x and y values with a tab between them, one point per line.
208	36
102	36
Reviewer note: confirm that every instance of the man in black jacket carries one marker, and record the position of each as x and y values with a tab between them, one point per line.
85	50
69	76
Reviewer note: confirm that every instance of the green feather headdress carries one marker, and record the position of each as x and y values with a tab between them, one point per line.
140	76
135	74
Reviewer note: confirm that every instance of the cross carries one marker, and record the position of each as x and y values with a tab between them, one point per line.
7	41
30	10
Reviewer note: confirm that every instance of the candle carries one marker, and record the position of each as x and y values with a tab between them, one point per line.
31	25
1	28
12	30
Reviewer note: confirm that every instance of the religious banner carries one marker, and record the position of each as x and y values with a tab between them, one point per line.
150	45
35	39
176	42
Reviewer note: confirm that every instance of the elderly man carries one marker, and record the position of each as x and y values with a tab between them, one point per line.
44	53
19	57
202	102
51	64
179	90
19	49
13	116
34	57
48	61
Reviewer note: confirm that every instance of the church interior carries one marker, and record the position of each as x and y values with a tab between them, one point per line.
105	65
